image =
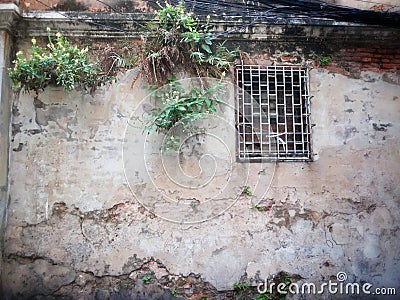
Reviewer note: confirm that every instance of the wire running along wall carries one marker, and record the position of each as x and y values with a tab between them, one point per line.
260	11
275	10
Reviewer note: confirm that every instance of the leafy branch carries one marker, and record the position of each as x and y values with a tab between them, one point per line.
179	41
181	107
179	110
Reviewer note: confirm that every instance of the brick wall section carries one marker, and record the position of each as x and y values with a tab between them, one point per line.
370	59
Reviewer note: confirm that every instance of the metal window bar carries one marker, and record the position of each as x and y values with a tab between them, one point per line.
273	113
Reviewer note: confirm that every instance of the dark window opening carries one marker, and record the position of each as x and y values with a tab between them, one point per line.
273	113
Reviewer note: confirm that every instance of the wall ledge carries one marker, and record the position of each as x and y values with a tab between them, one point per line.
107	25
9	15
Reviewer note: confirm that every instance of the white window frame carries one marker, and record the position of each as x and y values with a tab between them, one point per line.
273	113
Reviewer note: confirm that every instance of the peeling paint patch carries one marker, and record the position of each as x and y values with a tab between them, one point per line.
349	132
34	131
16	128
347	99
381	127
19	148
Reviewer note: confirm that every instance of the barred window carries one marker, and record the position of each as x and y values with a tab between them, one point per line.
273	113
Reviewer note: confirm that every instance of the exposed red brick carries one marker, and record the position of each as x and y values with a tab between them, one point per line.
364	50
356	58
374	59
331	64
286	58
392	51
334	69
373	69
348	58
390	66
366	54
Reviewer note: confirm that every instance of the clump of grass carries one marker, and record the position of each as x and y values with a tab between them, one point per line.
324	60
246	191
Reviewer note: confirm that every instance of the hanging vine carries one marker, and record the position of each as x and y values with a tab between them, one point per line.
178	41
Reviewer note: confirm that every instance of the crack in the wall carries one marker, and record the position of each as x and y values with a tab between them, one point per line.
149	276
27	259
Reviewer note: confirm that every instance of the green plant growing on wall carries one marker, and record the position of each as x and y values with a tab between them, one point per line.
259	208
324	60
179	41
145	278
246	191
59	63
240	286
176	38
262	297
181	108
241	290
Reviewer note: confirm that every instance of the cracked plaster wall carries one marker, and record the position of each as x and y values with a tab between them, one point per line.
72	211
8	15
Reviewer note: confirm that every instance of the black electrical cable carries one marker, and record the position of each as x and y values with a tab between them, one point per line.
121	13
268	10
301	8
342	13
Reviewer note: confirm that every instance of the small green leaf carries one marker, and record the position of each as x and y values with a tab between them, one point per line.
208	41
145	278
206	48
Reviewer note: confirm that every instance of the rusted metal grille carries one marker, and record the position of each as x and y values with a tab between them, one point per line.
273	113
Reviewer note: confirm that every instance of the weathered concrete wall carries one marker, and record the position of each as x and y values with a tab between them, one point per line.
8	14
81	177
72	210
